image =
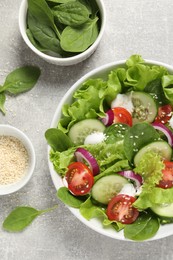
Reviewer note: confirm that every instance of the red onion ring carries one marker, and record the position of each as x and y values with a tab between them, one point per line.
82	154
132	176
109	118
164	130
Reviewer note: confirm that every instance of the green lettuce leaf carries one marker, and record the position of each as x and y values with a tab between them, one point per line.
150	168
110	158
155	196
87	104
134	59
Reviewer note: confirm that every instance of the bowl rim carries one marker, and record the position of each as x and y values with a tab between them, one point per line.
9	130
57	180
63	61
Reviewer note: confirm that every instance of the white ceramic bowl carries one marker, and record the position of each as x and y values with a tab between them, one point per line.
56	60
8	130
95	224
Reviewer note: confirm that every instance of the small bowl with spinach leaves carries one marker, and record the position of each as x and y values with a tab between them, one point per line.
62	32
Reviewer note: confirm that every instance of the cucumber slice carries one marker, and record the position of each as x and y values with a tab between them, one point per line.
163	210
107	187
161	147
145	109
79	131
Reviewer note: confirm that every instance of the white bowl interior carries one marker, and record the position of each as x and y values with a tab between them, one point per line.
57	60
95	224
8	130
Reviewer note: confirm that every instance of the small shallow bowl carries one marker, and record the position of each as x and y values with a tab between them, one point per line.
8	130
56	60
95	224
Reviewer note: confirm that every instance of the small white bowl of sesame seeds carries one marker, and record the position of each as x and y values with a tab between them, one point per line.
17	159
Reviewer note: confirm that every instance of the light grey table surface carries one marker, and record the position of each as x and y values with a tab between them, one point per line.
133	26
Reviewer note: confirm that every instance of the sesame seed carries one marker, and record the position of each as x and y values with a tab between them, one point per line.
14	160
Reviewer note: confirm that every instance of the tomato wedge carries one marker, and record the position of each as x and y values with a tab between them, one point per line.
79	178
167	179
122	115
164	114
120	209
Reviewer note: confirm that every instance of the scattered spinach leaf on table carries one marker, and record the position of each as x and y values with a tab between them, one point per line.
18	81
2	102
21	217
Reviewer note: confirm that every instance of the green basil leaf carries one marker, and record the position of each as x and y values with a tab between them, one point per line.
21	79
58	140
2	102
21	217
72	13
145	227
67	198
79	39
44	34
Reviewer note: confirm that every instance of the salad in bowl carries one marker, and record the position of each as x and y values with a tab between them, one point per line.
110	149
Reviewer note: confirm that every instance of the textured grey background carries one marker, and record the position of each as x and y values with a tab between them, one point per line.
133	26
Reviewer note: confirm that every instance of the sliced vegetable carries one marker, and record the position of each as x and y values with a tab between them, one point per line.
164	114
165	130
120	209
167	179
132	176
161	147
117	115
81	129
145	109
163	210
82	155
79	179
107	187
109	118
122	115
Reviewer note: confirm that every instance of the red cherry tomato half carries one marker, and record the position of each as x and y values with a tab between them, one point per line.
164	114
122	115
79	178
167	179
120	209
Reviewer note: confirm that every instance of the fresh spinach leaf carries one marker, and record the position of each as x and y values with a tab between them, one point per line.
67	198
40	10
60	1
21	80
79	39
44	34
71	13
2	102
156	90
34	41
21	217
167	83
91	6
115	133
58	140
145	227
137	137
